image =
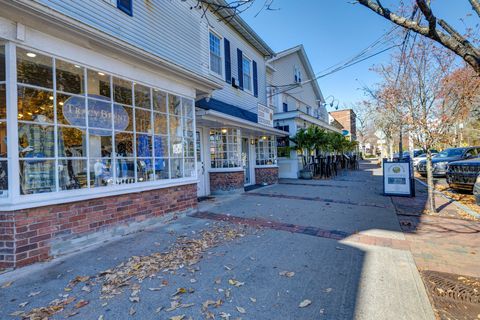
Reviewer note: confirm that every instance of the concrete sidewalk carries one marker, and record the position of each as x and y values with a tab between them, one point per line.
335	245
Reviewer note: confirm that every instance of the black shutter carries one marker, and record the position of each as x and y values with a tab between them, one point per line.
255	79
228	62
240	68
125	6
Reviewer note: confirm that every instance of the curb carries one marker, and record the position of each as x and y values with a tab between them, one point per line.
455	202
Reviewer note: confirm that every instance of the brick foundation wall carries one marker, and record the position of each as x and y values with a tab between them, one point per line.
29	235
266	175
226	182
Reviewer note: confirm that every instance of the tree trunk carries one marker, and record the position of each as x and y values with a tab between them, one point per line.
431	186
390	150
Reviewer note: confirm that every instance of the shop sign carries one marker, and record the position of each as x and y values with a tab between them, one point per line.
345	132
99	114
397	178
265	115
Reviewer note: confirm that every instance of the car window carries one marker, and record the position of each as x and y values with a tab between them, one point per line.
450	153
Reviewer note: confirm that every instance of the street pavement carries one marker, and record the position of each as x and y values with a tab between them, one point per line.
318	249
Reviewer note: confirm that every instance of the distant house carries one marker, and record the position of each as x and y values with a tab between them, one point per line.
294	94
117	113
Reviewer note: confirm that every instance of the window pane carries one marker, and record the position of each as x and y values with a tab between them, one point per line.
123	120
161	169
189	148
142	96
100	143
70	77
145	170
143	120
189	167
125	169
35	105
37	176
72	174
2	63
3	140
176	168
101	172
3	179
124	144
36	141
161	146
122	91
34	68
144	146
3	102
98	85
160	125
174	105
72	142
99	114
187	108
71	110
159	101
175	126
188	128
176	149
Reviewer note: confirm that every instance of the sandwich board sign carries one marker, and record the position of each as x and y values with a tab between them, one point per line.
397	178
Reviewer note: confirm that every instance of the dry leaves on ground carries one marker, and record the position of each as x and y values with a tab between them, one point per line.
305	303
287	274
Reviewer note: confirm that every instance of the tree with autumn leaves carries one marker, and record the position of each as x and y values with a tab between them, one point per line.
425	92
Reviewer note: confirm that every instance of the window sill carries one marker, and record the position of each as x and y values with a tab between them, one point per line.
266	166
237	169
216	75
54	198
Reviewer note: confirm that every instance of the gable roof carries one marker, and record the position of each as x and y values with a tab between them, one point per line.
236	22
305	61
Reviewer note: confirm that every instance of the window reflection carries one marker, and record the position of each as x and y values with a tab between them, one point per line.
101	174
34	68
72	174
69	77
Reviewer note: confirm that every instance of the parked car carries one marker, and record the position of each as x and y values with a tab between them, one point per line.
421	157
476	190
462	175
406	154
441	160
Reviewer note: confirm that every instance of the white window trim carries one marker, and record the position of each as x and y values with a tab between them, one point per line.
222	55
244	56
16	201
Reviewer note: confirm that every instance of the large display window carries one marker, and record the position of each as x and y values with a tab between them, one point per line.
80	128
225	148
266	151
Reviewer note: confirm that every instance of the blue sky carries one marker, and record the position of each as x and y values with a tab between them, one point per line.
333	31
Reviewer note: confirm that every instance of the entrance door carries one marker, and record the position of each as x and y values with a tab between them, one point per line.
201	185
246	160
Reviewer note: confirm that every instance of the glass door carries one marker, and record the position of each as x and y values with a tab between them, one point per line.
246	160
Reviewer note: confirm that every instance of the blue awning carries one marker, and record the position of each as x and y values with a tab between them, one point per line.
217	105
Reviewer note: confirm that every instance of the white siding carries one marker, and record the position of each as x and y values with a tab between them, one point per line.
171	30
305	94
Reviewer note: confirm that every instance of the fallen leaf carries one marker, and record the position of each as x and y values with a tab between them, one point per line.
33	294
177	317
81	304
187	305
158	309
227	267
86	289
225	315
72	313
287	274
180	291
100	317
236	283
17	313
218	280
134	299
253	299
173	305
240	309
305	303
328	290
7	284
132	311
154	289
23	304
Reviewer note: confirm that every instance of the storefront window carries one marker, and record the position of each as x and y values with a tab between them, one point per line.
81	128
3	127
266	151
225	148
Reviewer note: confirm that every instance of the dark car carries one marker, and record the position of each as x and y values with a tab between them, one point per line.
406	154
476	190
441	160
461	175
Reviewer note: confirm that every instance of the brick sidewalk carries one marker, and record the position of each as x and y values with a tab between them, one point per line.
445	242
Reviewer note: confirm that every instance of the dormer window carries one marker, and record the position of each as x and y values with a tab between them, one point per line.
297	75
